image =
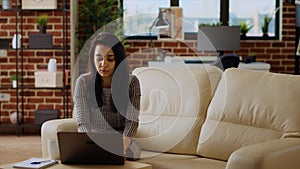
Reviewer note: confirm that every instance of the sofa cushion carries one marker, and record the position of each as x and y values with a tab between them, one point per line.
174	103
250	107
175	161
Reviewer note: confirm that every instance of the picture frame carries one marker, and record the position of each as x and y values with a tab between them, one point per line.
174	32
39	4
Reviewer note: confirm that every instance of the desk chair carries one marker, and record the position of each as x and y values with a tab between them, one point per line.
227	61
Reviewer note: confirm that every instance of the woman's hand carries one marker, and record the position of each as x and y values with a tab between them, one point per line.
126	142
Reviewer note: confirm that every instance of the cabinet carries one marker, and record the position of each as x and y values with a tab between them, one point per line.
25	61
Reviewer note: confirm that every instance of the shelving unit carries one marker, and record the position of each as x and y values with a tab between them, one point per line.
19	65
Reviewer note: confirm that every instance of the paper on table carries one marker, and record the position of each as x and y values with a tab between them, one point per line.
35	163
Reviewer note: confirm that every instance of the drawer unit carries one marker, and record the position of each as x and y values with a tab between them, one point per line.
48	79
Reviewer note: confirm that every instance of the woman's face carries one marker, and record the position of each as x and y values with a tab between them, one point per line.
104	59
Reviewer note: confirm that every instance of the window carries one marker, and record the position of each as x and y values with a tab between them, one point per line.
253	12
140	14
199	11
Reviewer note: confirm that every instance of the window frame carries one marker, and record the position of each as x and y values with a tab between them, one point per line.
224	18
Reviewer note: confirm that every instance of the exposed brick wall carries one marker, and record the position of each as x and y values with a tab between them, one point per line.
280	54
33	60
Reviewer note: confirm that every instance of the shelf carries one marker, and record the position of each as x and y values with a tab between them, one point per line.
60	46
7	87
33	87
55	48
8	125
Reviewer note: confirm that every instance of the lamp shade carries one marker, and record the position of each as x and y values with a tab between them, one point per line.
161	21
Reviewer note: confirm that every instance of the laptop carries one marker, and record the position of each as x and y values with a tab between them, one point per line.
91	148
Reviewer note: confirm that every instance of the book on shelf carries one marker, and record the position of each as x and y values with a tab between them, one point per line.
35	163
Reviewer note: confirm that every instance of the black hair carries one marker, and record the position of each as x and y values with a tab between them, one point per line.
120	79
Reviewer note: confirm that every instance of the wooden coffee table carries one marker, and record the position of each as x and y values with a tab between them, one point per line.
127	165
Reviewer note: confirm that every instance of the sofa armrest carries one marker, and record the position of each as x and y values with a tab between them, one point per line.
273	154
50	128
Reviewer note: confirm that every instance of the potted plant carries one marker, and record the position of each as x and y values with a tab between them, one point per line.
14	79
41	40
96	14
211	24
244	28
266	21
42	21
265	25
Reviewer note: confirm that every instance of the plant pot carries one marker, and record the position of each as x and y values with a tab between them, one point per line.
243	36
265	35
14	84
43	29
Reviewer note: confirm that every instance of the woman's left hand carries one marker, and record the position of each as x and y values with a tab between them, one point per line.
126	142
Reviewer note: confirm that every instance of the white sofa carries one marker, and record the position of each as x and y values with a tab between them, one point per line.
204	118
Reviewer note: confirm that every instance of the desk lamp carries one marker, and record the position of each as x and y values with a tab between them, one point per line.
159	22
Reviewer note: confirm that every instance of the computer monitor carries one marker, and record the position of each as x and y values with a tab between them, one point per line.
218	38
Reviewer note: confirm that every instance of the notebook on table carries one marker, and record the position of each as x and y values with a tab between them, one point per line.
91	148
35	163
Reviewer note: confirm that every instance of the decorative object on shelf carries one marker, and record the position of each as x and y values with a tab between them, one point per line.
250	58
244	29
41	40
48	79
13	117
4	43
6	4
52	67
42	21
16	41
39	4
174	17
42	115
14	79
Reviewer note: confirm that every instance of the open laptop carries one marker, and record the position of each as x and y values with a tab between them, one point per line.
91	148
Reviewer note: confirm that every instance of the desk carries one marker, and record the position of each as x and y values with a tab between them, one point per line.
127	165
171	62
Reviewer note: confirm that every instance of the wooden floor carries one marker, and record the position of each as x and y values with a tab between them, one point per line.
15	149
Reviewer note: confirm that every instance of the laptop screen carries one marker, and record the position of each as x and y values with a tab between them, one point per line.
91	148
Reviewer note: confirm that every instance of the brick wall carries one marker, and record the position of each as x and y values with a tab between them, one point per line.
280	54
33	60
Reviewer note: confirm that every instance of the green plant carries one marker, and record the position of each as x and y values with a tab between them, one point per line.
266	21
252	54
211	24
14	77
95	14
42	20
245	27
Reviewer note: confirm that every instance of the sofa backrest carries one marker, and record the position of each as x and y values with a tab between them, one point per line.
250	107
174	103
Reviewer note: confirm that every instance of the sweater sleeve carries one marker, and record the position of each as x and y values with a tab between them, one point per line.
132	114
81	107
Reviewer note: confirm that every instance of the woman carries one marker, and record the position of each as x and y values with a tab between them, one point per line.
108	98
